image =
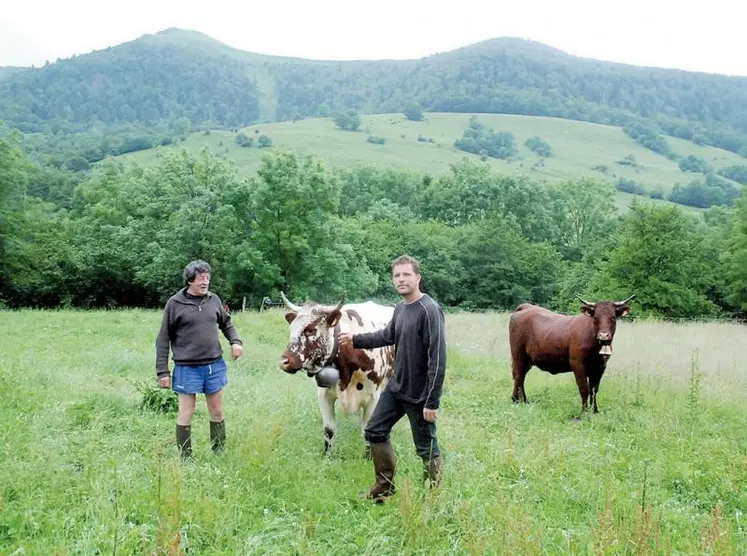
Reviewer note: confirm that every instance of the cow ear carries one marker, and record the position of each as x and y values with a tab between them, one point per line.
290	317
334	317
586	310
622	311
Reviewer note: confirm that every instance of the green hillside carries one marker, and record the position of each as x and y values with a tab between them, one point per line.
578	147
174	74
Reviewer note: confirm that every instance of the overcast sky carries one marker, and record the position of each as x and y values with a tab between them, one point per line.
707	36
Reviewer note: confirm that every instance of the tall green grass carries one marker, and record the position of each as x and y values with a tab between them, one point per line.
85	470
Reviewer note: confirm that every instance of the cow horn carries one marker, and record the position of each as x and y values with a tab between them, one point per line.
341	303
585	302
290	305
621	303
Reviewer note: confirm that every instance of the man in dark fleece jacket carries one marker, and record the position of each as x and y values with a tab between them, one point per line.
190	325
417	331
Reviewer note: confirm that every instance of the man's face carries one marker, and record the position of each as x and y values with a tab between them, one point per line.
199	286
404	279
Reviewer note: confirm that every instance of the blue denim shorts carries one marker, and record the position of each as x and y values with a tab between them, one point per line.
197	379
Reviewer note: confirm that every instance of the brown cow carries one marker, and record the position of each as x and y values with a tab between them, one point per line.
581	344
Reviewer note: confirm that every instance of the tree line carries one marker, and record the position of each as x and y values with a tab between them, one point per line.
121	236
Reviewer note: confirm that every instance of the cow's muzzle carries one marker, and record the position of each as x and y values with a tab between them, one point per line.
290	364
605	343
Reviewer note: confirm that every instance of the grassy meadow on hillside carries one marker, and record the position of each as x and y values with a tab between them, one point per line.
661	470
578	147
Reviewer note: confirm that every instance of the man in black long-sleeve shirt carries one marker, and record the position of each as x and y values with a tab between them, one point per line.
417	331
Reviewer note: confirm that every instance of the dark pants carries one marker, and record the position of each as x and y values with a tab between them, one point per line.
391	409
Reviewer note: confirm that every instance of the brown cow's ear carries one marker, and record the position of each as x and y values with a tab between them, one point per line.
586	310
622	311
290	317
334	317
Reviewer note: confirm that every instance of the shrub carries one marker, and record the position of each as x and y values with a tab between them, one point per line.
694	164
630	186
477	140
539	146
348	121
243	140
264	141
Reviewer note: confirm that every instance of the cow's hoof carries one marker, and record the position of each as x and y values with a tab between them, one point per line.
380	499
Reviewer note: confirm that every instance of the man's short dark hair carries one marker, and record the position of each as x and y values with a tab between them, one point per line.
193	269
407	259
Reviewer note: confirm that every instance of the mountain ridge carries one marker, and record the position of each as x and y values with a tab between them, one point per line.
183	36
175	73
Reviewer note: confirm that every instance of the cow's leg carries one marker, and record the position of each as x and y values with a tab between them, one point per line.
327	397
594	389
363	417
582	382
520	365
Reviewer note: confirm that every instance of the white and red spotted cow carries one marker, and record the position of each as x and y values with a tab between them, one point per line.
363	373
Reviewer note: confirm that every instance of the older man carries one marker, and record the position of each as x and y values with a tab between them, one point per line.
190	324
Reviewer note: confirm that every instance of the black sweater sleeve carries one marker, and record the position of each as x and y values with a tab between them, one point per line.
163	341
436	345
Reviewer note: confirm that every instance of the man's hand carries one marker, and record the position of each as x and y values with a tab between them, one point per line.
165	381
236	351
345	339
430	415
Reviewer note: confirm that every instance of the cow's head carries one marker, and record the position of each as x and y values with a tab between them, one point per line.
311	335
605	315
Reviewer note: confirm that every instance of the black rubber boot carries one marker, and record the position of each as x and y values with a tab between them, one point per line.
432	470
384	467
218	436
184	440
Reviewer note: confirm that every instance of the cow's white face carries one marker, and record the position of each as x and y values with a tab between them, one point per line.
311	339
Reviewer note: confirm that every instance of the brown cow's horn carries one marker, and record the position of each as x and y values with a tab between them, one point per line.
621	303
290	305
585	302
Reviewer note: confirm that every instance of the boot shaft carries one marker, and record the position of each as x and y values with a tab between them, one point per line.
432	469
184	440
382	454
218	436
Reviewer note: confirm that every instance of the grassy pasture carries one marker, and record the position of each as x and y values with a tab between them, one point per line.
661	470
577	146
